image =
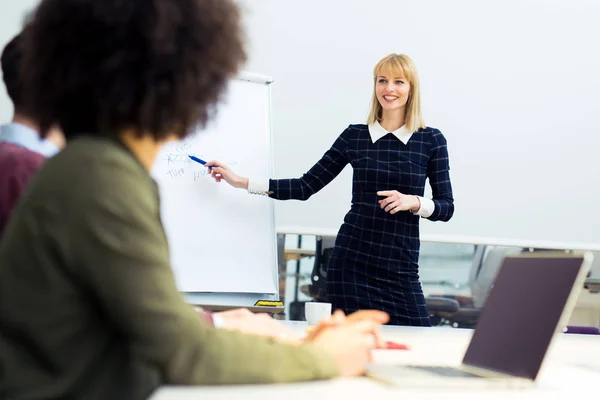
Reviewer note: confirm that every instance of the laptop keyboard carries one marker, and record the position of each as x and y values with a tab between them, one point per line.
445	371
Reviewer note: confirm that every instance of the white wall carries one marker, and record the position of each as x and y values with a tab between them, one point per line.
513	85
11	16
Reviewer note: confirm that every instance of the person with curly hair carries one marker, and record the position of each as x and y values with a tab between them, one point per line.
89	307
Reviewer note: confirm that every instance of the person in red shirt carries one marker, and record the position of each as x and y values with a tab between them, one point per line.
22	150
17	165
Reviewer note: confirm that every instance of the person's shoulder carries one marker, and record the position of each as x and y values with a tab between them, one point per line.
18	166
11	150
430	131
433	135
15	158
359	127
92	171
94	163
355	129
96	154
94	148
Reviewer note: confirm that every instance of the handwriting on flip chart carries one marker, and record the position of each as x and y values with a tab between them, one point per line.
176	173
180	166
183	145
200	174
177	158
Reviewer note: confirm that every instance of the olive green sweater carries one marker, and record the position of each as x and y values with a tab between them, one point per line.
89	308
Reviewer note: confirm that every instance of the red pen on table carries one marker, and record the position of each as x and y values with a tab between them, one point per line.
395	346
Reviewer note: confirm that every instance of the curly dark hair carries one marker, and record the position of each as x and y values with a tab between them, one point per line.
11	61
155	66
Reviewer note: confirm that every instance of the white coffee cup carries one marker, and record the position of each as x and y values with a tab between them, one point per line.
315	312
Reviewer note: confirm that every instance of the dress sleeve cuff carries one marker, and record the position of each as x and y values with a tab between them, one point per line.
427	207
258	186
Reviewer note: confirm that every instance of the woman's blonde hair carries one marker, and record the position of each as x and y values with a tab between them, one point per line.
399	65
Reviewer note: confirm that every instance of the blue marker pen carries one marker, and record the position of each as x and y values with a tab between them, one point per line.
200	161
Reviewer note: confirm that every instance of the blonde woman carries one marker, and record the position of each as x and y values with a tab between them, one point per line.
374	264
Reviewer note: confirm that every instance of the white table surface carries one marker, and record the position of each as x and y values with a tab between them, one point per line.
572	366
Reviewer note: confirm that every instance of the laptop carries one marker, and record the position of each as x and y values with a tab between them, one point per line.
530	302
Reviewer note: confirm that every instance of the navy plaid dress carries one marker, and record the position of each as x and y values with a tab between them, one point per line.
374	263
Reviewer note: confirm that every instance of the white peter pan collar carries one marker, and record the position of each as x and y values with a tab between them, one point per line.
377	132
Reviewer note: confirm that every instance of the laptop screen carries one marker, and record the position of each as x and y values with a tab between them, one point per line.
520	316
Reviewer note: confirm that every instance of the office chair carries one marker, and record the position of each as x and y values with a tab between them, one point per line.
487	261
440	315
318	278
317	288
